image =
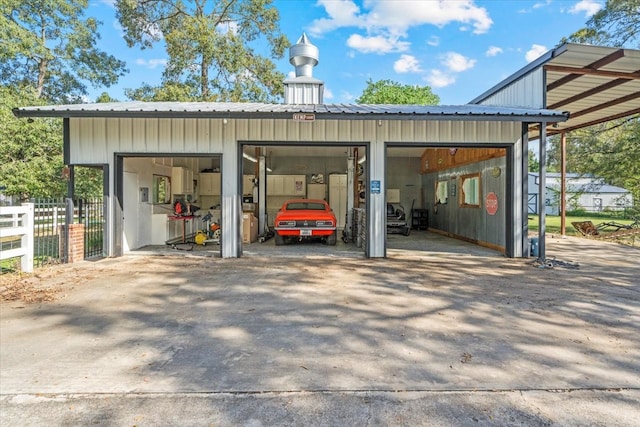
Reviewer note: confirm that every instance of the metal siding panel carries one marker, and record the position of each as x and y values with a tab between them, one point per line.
218	130
177	142
525	92
112	134
125	134
164	143
139	132
150	141
74	139
280	130
203	134
97	144
331	130
190	136
268	128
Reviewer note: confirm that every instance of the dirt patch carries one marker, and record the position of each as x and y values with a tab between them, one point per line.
46	284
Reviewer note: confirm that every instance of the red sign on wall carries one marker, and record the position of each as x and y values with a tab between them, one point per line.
492	203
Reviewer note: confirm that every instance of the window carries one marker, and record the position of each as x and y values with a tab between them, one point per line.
470	194
161	189
442	192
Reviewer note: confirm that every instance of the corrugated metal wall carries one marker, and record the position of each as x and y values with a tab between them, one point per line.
527	91
92	140
470	223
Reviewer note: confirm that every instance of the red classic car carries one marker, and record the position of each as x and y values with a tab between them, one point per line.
301	219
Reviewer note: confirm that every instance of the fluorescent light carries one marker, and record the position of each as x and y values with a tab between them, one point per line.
253	159
250	158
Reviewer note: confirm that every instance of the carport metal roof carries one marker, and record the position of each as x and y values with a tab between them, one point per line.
235	110
593	84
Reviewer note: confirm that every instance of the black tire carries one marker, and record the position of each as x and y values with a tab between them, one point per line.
332	239
279	239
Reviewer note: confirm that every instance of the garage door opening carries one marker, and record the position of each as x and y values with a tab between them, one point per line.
276	174
446	199
170	202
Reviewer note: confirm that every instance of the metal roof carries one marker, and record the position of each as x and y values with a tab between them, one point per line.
594	84
234	110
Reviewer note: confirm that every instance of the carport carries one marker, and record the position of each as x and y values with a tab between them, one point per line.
593	84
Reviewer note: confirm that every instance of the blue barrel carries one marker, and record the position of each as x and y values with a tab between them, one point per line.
533	244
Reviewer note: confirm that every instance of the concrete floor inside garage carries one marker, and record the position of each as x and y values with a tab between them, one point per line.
419	242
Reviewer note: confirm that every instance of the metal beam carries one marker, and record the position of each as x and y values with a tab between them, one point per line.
542	191
590	72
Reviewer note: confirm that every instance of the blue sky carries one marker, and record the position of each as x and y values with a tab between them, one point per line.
460	48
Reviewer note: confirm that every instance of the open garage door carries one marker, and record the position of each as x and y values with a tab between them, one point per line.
274	174
446	199
169	202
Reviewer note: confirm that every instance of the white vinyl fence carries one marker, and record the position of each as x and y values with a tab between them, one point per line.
16	223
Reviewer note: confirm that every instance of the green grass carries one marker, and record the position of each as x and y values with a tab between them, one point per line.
552	223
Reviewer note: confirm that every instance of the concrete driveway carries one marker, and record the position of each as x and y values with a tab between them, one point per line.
419	338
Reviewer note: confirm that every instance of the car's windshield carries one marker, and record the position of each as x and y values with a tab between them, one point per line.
299	206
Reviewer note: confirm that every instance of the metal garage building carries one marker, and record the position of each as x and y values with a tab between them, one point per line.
117	136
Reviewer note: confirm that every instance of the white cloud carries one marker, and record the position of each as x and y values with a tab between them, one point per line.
433	41
376	44
327	94
291	75
437	78
347	97
535	52
390	20
493	51
407	64
342	13
589	7
457	63
151	63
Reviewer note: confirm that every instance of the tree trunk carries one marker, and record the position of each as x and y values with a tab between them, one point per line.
42	71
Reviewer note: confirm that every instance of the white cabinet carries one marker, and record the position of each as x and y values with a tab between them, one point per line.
316	191
286	185
338	197
247	185
181	180
210	184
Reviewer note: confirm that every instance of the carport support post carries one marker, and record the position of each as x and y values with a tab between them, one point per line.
542	190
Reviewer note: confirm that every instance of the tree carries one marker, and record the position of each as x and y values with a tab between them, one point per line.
390	92
104	97
31	153
47	45
30	150
610	151
617	24
212	48
534	164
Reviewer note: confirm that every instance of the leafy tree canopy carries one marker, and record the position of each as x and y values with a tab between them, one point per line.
49	46
617	24
31	150
390	92
610	151
213	48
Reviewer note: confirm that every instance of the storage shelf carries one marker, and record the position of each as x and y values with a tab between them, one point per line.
420	219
